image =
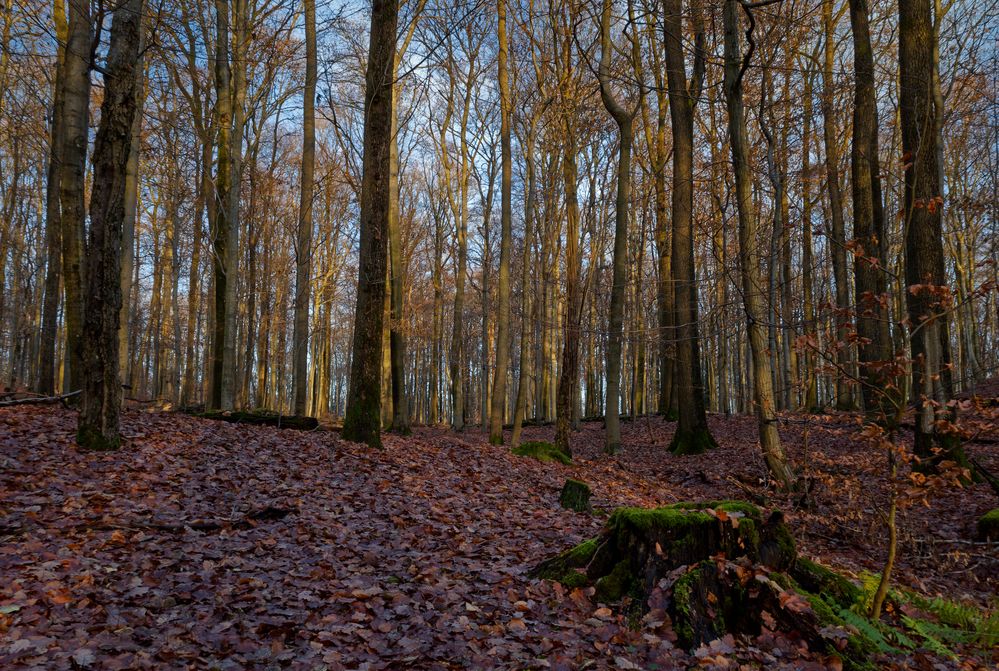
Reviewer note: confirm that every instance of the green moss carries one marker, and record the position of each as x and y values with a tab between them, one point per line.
988	525
683	595
645	519
565	567
697	441
542	451
818	579
581	555
729	506
615	584
575	496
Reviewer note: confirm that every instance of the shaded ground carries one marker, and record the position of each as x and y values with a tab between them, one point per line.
211	545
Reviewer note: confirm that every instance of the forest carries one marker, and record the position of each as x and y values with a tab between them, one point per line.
562	334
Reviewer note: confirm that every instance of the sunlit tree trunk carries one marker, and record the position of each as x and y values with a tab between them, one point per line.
750	259
303	250
691	435
101	401
506	225
362	422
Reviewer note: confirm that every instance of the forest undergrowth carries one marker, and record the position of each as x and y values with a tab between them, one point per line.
210	545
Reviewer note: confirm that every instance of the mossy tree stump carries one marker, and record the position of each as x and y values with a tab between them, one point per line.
722	567
542	451
575	496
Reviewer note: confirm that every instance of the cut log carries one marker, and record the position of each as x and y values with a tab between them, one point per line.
575	496
262	418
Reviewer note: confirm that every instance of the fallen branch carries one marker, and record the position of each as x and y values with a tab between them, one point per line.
40	399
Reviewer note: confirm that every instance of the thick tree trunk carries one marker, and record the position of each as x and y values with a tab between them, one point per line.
924	261
750	260
691	435
303	250
362	422
101	402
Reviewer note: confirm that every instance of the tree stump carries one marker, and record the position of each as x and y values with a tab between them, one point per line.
988	526
575	496
716	567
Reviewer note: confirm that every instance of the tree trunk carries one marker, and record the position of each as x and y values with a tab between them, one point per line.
750	259
101	402
624	119
879	391
224	256
691	435
837	239
76	107
362	422
128	230
924	261
303	250
506	224
53	217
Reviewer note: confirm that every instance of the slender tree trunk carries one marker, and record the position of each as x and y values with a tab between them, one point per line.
506	225
53	217
224	256
128	231
624	119
837	239
101	401
750	259
76	105
870	256
362	422
303	265
811	401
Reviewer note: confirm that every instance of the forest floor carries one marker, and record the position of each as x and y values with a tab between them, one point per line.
209	545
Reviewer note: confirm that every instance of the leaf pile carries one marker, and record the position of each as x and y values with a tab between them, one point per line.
205	544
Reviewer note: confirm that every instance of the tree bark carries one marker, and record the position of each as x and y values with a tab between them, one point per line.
624	120
362	422
101	400
506	224
750	259
303	249
926	292
691	435
53	216
76	108
837	239
870	256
